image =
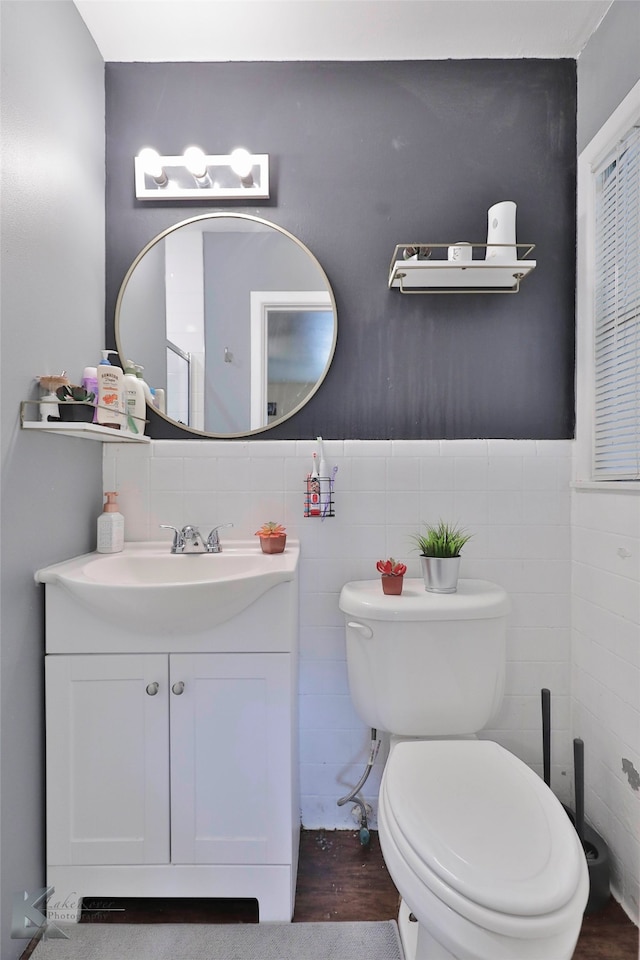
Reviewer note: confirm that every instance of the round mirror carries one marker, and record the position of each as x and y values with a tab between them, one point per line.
233	321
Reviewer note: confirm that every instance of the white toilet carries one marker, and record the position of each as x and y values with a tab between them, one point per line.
487	863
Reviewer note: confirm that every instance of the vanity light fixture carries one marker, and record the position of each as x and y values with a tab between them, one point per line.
151	164
242	165
197	176
196	163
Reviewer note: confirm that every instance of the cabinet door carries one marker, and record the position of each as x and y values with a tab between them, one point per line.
231	730
107	759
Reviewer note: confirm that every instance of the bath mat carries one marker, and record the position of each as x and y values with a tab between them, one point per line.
250	941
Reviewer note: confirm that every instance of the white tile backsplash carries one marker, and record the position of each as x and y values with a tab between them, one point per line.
513	495
605	619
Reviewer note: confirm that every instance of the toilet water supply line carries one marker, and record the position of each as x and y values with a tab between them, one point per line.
373	753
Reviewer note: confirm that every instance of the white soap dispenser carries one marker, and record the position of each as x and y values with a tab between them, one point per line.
110	526
135	399
110	412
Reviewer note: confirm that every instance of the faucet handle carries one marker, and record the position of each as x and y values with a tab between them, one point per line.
213	540
178	539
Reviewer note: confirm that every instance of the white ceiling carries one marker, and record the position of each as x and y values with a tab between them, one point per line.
219	30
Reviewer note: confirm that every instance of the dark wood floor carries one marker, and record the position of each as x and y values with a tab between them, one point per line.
338	879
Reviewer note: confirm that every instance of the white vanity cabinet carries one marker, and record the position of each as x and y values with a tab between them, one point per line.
107	759
172	772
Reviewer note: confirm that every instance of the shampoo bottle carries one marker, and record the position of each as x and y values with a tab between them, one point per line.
134	395
110	393
110	526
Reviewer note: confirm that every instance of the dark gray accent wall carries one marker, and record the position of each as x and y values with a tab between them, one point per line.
52	103
365	156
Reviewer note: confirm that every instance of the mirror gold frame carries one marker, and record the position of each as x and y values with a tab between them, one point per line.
240	223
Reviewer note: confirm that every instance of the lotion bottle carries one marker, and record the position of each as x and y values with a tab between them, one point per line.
110	526
135	399
110	393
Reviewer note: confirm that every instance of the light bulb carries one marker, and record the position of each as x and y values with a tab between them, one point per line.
152	165
195	162
241	163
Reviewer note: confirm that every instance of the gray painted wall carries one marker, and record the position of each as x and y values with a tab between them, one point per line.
52	101
365	156
234	265
608	68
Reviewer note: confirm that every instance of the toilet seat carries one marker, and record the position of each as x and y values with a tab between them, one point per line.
483	832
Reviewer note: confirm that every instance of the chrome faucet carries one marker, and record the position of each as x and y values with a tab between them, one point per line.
190	540
213	540
189	536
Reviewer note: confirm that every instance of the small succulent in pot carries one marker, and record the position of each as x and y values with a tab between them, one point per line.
443	540
391	568
273	537
77	403
70	391
392	576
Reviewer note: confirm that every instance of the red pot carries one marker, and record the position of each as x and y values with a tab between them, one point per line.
392	586
273	544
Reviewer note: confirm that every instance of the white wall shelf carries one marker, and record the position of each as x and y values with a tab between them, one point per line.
85	431
415	276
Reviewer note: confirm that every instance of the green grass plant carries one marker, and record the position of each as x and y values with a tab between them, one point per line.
443	540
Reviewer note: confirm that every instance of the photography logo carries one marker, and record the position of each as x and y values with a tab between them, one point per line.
27	919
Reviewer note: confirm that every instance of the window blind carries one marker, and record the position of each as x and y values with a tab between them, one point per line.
616	442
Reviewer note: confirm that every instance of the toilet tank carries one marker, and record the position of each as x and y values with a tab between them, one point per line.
426	664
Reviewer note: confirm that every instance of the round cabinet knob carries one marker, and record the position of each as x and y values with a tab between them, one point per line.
178	688
153	688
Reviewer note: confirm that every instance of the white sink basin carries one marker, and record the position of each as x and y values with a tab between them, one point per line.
152	589
139	569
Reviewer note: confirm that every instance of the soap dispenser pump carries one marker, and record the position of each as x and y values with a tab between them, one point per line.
110	526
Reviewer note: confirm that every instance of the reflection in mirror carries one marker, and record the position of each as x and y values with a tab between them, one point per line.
233	317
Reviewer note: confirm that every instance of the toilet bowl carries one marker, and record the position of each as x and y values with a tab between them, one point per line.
479	849
486	861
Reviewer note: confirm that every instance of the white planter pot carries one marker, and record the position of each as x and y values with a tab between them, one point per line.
440	574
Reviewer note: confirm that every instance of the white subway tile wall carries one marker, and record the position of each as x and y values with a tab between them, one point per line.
606	673
514	496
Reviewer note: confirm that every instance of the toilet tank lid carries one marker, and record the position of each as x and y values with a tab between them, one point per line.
474	600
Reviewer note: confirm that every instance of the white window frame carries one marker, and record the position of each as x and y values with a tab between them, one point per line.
612	132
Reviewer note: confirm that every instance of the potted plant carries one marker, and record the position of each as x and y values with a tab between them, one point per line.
76	403
440	548
273	537
392	576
